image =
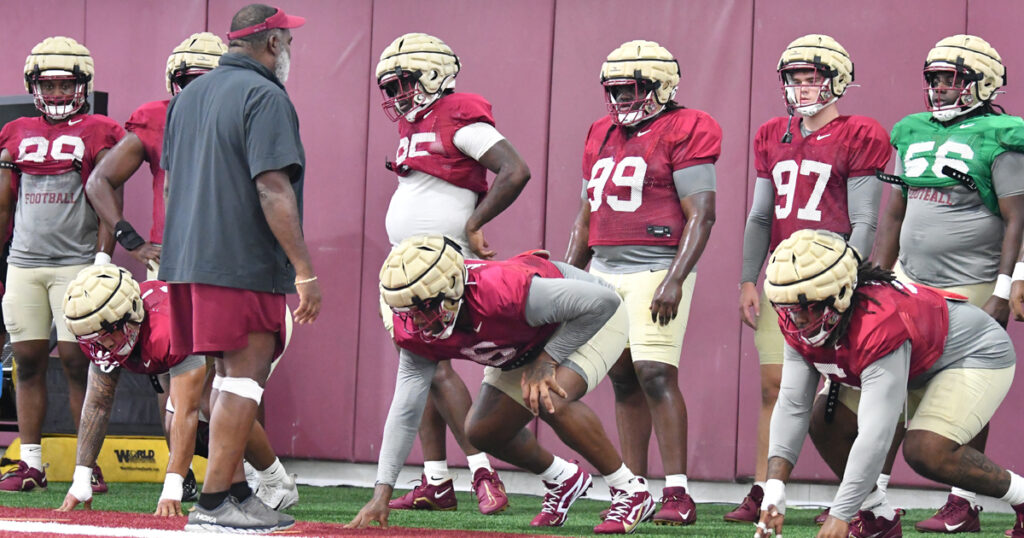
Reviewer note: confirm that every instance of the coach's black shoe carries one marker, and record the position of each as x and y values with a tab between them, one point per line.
189	488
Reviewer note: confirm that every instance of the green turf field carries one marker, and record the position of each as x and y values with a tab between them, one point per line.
340	504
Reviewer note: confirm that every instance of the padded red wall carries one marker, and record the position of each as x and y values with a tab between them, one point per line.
537	61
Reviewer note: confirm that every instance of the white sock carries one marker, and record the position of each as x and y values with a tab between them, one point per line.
883	483
625	480
32	455
559	471
969	496
275	474
1014	495
877	503
675	481
479	461
436	472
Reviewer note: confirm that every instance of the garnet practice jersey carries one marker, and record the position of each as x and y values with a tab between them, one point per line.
809	174
493	329
906	312
633	199
428	143
147	123
54	225
152	352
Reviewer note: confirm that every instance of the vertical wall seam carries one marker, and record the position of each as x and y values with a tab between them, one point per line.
547	128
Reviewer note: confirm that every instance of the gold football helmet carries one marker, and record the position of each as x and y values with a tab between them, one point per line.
827	58
55	61
639	79
423	280
414	71
961	73
103	309
196	55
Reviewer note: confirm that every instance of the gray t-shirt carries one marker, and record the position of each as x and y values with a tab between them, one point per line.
223	130
624	259
949	238
54	225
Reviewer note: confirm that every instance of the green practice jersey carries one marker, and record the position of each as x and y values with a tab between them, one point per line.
970	146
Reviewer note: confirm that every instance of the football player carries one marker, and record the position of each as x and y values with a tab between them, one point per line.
646	211
447	144
958	169
547	332
43	165
815	172
122	325
905	346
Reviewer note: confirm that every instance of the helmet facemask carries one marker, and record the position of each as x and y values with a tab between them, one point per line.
811	323
631	100
58	94
431	320
114	342
950	90
798	77
182	76
404	95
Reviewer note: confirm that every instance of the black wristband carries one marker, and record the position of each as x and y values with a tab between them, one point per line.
127	236
9	165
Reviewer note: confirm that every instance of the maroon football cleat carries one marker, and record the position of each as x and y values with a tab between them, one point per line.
98	484
677	508
559	497
749	511
821	518
957	515
490	492
866	525
24	478
627	511
1018	528
427	497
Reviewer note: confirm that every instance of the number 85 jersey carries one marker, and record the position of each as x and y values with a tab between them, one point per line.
628	174
809	175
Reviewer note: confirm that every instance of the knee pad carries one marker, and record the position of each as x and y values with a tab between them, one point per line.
240	386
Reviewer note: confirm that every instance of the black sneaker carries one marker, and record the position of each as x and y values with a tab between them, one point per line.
189	488
233	518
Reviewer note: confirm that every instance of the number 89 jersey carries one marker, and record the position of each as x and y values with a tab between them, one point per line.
629	175
809	174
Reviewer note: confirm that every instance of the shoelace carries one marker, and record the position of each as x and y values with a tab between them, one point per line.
620	506
550	504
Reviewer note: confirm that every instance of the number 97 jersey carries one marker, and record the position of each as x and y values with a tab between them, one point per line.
628	174
809	175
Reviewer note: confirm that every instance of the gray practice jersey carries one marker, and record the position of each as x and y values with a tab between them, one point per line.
54	225
581	302
949	238
621	259
974	340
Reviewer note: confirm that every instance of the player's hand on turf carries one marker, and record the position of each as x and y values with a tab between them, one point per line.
309	300
147	253
538	382
770	523
999	309
1017	299
168	507
750	304
834	528
374	511
479	245
665	304
70	502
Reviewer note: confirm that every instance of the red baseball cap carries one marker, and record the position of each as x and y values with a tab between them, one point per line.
277	20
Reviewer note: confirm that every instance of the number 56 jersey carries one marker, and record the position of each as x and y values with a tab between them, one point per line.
809	175
629	175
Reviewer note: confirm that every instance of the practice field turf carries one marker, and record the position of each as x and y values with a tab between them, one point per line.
340	504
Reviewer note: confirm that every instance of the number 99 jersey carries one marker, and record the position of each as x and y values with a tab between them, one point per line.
809	174
629	175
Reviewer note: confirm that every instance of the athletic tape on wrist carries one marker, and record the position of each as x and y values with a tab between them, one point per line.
1003	285
774	495
1018	271
81	485
173	487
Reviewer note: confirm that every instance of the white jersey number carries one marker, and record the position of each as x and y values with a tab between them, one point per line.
785	176
65	148
916	166
629	172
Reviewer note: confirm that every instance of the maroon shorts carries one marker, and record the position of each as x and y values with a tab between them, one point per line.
208	320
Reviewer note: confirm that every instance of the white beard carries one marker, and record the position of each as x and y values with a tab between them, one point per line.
283	65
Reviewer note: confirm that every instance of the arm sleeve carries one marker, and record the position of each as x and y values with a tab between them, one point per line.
476	139
580	305
1008	174
411	389
757	234
863	195
792	412
271	133
694	179
882	396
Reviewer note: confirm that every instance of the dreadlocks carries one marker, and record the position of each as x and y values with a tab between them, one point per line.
867	273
